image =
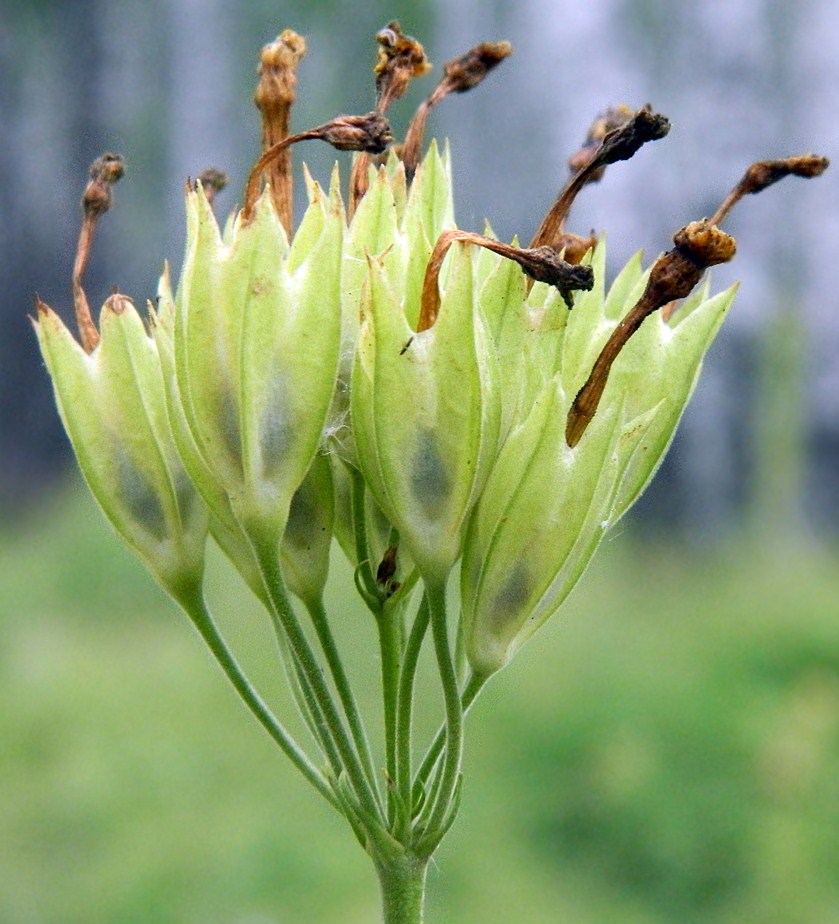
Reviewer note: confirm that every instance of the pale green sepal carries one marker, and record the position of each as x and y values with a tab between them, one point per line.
224	527
601	518
256	355
430	201
485	260
542	513
428	212
310	228
546	326
290	342
336	200
205	345
617	301
662	366
501	300
425	425
398	184
229	229
372	233
587	328
113	407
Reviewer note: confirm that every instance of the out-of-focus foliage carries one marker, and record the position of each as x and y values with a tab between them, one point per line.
672	752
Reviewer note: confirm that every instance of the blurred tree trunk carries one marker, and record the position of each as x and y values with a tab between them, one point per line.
48	84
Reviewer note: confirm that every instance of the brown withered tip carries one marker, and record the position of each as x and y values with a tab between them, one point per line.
275	89
116	303
459	75
42	309
620	143
387	566
400	59
96	200
213	181
764	173
673	276
370	133
627	139
544	264
275	93
394	44
572	247
107	168
285	51
705	244
104	172
467	71
614	117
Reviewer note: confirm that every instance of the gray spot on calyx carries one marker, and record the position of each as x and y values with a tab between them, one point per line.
302	517
275	431
140	498
185	495
513	595
230	429
430	479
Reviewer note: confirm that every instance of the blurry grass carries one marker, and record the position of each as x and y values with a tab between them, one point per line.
666	751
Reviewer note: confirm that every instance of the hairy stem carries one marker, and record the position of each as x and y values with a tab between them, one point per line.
406	703
390	646
402	883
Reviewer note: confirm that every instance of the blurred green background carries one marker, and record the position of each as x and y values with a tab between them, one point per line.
667	750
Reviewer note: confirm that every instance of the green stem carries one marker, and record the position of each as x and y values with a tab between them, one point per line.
406	703
390	645
342	685
275	587
305	699
436	596
474	686
402	884
196	608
